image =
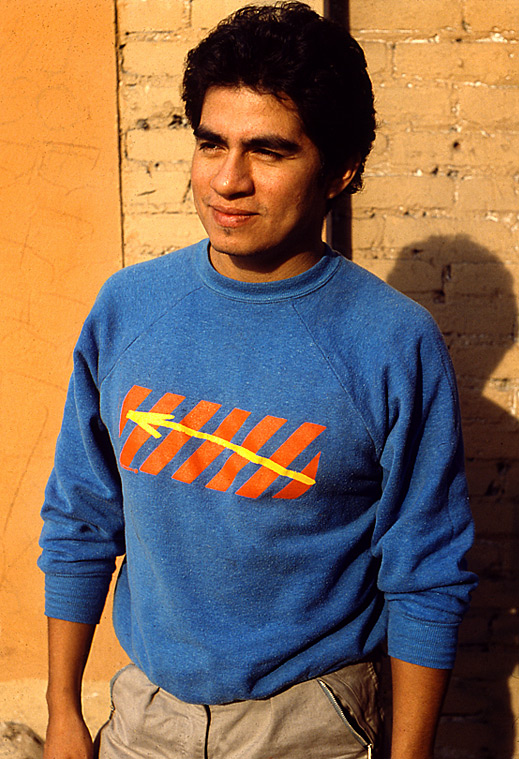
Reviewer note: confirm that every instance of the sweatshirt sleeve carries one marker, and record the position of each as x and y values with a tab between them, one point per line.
83	528
424	526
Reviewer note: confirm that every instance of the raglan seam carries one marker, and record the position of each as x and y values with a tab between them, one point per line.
145	329
339	380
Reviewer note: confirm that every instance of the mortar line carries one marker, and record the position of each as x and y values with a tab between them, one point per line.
117	40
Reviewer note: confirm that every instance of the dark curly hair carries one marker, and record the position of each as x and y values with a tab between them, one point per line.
288	49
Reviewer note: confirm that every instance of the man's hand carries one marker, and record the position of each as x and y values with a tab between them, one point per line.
68	738
418	694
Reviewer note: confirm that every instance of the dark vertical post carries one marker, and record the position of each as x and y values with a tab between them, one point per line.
338	10
339	219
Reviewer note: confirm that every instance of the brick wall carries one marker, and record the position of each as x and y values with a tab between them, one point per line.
438	219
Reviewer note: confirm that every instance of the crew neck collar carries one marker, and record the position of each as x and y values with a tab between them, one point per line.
282	289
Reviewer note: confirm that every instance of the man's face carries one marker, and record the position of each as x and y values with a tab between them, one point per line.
256	177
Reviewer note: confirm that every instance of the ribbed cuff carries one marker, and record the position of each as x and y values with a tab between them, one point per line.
430	644
76	598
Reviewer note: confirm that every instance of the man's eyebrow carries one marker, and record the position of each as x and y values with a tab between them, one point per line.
203	133
262	141
273	142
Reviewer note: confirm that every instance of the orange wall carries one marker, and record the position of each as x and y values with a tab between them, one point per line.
60	239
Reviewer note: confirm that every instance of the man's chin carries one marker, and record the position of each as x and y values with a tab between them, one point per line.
234	249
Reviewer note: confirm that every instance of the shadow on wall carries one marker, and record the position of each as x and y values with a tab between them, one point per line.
470	294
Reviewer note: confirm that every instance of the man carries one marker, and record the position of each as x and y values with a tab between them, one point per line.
271	435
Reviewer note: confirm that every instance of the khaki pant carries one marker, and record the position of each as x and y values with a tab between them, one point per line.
336	716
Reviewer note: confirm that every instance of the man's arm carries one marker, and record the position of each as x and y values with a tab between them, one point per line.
67	734
418	694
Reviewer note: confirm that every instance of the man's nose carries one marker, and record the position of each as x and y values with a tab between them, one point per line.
233	177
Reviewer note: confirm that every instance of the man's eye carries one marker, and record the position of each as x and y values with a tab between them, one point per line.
269	154
208	147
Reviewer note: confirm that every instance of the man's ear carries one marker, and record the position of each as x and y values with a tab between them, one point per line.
337	184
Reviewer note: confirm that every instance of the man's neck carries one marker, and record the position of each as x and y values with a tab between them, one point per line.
261	268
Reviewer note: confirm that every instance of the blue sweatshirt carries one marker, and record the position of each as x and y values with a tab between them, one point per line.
282	466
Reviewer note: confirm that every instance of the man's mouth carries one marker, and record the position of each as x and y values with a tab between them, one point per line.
231	217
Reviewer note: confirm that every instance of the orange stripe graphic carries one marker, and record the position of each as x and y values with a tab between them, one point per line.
284	455
173	442
138	436
134	397
257	437
149	422
208	451
294	489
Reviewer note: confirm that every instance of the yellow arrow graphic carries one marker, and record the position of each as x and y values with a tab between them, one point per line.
149	420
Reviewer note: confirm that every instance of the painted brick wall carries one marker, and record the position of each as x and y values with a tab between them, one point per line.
438	219
59	199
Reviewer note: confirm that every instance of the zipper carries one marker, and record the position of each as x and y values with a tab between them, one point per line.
350	721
